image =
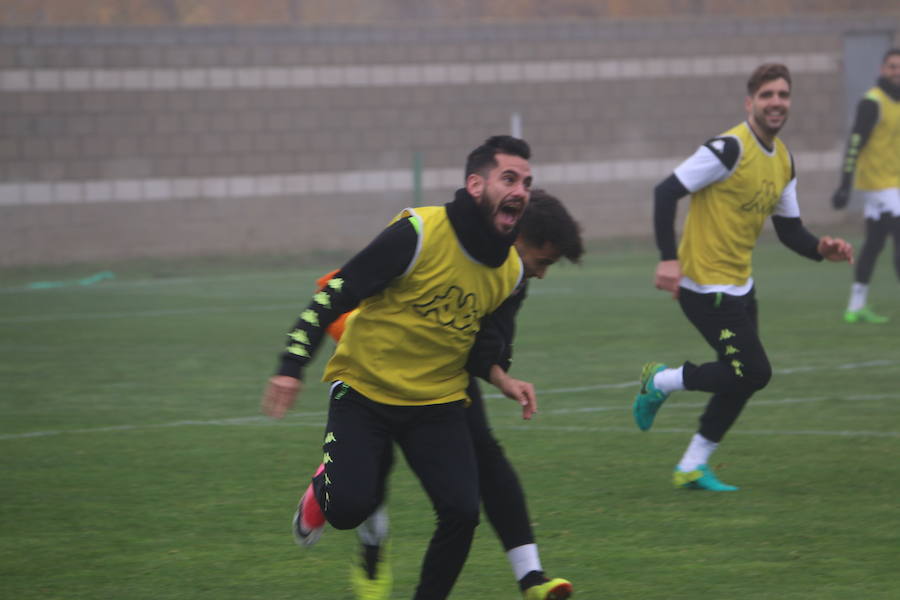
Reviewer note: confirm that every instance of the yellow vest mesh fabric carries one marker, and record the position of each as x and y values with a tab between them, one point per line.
408	344
725	218
878	166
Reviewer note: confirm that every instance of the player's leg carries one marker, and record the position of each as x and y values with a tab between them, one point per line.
438	448
501	492
505	507
370	574
895	234
876	233
729	325
718	317
349	484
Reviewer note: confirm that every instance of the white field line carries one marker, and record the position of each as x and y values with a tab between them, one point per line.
254	420
677	405
810	432
789	371
625	406
162	312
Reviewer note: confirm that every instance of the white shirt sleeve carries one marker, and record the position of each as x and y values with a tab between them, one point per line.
701	169
788	206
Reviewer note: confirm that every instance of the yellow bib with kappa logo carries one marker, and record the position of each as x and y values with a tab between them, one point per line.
408	344
878	166
725	218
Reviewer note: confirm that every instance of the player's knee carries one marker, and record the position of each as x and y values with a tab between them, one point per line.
758	377
460	516
348	513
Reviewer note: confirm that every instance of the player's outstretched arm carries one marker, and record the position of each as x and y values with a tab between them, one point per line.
835	249
515	389
668	276
279	396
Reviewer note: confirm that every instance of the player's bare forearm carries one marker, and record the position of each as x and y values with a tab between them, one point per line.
515	389
280	394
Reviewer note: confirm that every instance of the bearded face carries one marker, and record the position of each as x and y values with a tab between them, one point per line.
502	193
890	70
768	108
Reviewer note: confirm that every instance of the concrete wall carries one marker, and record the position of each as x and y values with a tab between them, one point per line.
174	128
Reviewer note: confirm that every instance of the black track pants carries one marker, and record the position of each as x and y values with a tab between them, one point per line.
729	325
501	492
877	233
436	443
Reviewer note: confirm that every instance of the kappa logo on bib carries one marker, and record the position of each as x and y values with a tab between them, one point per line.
454	308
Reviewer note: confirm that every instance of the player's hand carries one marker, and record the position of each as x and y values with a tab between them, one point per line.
668	276
515	389
280	394
835	249
840	198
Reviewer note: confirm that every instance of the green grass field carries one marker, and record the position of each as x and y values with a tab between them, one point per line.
136	465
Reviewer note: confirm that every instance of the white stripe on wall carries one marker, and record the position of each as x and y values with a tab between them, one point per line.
345	182
80	80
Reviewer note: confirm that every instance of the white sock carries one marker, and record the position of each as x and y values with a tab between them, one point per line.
669	380
524	559
374	530
697	453
859	293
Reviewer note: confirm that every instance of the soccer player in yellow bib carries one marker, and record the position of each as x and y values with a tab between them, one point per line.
547	232
422	286
872	166
737	180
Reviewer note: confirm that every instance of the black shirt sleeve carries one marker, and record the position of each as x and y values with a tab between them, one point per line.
727	149
494	342
665	203
863	124
364	275
793	234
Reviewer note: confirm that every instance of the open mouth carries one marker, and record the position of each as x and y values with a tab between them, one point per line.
510	211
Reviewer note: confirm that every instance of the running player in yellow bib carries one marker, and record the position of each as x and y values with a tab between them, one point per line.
547	232
422	287
872	166
737	180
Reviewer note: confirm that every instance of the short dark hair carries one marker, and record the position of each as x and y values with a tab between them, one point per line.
765	73
890	53
482	158
546	220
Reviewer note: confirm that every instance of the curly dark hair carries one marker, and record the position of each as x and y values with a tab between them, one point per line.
546	220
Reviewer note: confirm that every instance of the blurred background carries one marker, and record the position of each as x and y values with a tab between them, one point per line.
169	128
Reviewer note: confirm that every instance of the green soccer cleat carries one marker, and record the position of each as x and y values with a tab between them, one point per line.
648	399
372	581
701	478
555	589
864	315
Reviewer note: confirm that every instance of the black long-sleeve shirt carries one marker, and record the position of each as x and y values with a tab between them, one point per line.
863	123
385	258
494	342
